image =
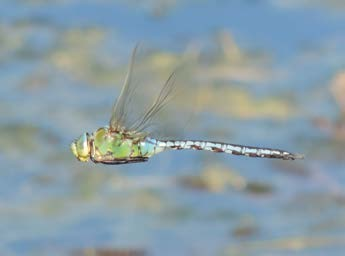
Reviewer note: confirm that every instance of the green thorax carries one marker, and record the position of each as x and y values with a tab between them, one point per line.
108	145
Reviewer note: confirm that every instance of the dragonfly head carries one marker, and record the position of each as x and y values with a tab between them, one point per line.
80	147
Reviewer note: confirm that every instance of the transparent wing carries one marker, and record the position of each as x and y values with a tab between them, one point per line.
118	115
120	120
162	99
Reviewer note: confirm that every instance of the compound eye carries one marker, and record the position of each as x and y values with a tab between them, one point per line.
74	149
81	146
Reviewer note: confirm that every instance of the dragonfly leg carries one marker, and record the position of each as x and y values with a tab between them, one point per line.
121	161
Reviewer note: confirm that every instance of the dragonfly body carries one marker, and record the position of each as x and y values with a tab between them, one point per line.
120	144
107	147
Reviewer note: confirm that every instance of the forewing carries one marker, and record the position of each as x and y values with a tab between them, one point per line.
118	115
122	118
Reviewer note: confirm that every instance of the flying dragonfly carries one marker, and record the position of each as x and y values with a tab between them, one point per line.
123	142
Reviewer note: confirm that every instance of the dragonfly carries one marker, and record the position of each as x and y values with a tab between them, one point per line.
123	142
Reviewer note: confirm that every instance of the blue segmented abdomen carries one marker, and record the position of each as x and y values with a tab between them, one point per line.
150	147
220	147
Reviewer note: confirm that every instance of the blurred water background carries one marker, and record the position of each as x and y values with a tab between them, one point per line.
264	72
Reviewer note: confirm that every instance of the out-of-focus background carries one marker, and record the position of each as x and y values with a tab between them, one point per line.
266	73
